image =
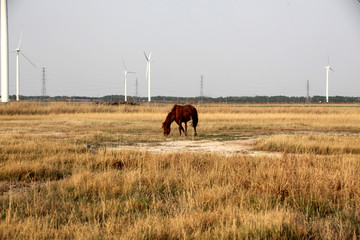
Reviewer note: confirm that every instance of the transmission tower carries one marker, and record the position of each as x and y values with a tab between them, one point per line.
201	87
43	89
307	92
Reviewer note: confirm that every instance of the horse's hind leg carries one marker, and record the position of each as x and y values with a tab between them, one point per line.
195	134
185	129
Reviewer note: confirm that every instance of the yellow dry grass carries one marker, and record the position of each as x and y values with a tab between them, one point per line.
53	187
311	144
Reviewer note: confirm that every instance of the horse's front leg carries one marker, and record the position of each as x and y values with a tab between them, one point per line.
185	129
180	127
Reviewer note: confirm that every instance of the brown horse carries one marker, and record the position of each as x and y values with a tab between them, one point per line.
181	114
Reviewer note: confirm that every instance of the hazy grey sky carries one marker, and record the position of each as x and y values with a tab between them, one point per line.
242	47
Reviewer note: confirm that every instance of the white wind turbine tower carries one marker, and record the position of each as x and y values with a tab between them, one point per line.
18	52
148	63
4	51
327	79
125	74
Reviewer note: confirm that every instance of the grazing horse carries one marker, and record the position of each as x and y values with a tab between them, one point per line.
181	114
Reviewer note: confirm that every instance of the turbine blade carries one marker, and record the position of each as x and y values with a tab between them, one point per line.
332	69
147	59
21	36
124	64
28	59
131	72
149	56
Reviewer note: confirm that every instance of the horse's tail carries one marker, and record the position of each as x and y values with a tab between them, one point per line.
195	118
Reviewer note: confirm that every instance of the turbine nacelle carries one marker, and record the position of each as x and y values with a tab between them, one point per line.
126	72
328	67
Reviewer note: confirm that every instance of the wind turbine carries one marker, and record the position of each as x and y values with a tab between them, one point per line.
4	51
125	74
18	52
327	79
148	63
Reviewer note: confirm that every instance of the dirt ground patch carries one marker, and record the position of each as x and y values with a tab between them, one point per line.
223	147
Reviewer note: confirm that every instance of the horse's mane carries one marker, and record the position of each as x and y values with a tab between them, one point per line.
174	108
170	117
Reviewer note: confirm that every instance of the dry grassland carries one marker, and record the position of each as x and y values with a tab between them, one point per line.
59	178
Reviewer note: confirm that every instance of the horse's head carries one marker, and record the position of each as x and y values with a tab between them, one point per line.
166	129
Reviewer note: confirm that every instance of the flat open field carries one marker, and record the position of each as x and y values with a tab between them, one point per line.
85	171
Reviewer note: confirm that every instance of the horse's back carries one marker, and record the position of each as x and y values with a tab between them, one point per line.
193	109
185	112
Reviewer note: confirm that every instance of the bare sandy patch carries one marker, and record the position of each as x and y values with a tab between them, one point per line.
223	147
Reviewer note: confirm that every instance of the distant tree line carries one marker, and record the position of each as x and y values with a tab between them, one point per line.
233	99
